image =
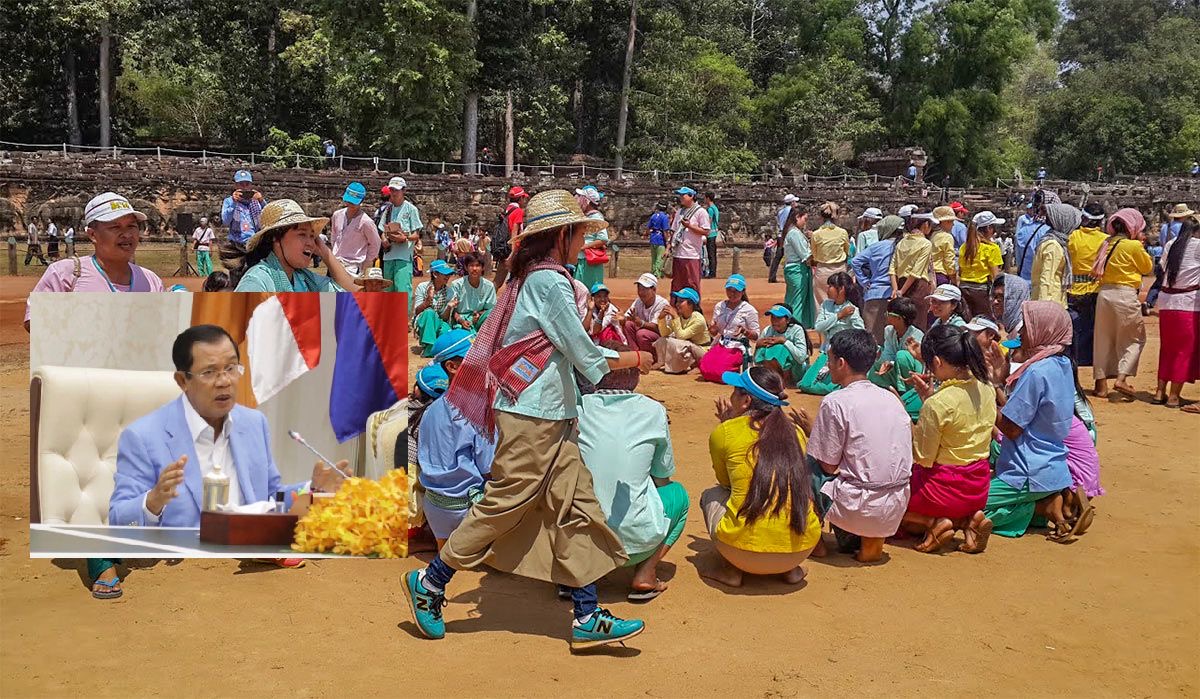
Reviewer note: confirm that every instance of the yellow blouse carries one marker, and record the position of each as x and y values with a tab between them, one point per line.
731	446
955	424
979	270
913	258
830	245
692	329
1083	245
943	252
1049	263
1128	263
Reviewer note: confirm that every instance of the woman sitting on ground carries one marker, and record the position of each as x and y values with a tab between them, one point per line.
279	255
1009	292
951	443
434	309
897	362
760	516
784	345
946	306
836	314
683	332
603	322
734	326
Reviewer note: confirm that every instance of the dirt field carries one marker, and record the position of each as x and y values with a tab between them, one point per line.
1115	614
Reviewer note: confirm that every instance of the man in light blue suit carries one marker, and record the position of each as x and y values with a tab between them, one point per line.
162	458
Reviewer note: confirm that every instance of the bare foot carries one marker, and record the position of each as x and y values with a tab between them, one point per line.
795	576
937	536
720	571
645	578
977	534
820	551
871	551
1125	388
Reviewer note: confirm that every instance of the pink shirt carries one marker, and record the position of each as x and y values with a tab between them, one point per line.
60	276
865	431
688	245
355	243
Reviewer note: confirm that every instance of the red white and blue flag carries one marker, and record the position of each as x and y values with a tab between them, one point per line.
370	370
283	339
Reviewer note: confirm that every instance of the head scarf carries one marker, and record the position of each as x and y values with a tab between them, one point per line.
888	226
1016	292
1063	218
1134	222
1047	332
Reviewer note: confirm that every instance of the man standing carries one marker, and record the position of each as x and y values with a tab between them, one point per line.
241	211
51	240
781	219
353	236
514	223
202	239
691	228
400	229
658	226
69	239
960	227
34	248
714	219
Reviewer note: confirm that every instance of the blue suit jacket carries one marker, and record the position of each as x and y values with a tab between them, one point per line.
153	442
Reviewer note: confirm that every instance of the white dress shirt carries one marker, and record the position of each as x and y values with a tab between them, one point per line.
209	451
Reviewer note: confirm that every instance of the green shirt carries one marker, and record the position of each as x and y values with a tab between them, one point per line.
796	249
546	302
714	217
268	275
471	298
794	339
410	221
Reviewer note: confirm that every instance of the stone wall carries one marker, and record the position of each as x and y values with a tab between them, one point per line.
177	191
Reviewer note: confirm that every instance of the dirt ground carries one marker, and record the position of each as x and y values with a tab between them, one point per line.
1115	614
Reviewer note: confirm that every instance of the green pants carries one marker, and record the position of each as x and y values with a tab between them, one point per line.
96	566
401	274
428	328
675	506
813	383
1011	510
904	365
590	275
780	354
477	325
204	262
657	253
799	293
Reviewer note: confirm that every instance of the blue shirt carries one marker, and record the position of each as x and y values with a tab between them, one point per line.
1168	231
871	268
659	224
454	457
1029	236
1042	404
960	234
782	217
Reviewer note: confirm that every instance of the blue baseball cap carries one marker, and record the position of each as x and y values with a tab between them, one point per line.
178	287
688	293
355	193
441	267
243	176
779	311
686	190
598	287
1011	344
736	282
743	381
453	345
433	380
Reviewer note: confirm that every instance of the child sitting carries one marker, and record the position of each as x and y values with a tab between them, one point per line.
835	315
433	309
783	346
896	362
683	333
472	297
603	322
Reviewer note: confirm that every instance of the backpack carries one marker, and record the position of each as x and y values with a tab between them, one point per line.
500	248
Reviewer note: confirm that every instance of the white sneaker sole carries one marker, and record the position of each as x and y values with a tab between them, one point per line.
584	645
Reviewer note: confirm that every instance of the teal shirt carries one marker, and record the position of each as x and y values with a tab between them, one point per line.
955	321
546	302
828	324
796	248
714	218
795	340
892	344
269	276
472	299
410	220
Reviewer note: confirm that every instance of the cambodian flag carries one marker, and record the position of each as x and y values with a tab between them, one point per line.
370	370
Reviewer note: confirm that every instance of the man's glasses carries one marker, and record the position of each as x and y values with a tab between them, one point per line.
211	374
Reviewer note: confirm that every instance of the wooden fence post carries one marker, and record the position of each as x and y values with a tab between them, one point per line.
737	261
12	255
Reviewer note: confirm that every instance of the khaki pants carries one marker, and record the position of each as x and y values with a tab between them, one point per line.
712	504
677	356
1120	332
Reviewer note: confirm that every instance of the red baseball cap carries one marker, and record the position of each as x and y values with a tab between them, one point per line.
385	190
958	206
517	191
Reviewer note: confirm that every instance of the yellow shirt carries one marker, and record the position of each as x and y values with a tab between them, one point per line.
943	252
1128	263
693	329
979	270
1049	263
913	257
830	245
1083	245
955	425
731	445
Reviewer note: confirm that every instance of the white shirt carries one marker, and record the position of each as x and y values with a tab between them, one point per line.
70	234
52	230
33	234
209	451
728	320
688	245
646	314
205	235
1188	276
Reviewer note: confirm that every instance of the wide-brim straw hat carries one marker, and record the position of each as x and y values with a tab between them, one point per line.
1181	211
554	208
373	274
281	214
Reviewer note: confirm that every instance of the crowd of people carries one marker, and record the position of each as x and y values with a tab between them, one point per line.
951	395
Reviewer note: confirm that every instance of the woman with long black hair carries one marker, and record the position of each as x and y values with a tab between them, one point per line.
1179	315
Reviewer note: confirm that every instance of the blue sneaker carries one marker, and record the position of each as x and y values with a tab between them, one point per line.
604	628
426	605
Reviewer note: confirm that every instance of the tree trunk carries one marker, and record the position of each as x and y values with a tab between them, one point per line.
75	136
509	138
623	109
105	83
471	107
577	100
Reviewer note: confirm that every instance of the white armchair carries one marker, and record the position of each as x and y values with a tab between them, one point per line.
75	418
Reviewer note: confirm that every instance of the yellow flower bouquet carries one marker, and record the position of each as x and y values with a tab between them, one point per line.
364	518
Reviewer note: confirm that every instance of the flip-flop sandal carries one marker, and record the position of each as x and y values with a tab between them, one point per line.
1126	391
1085	521
939	541
1161	401
1061	535
110	593
645	595
1191	408
981	538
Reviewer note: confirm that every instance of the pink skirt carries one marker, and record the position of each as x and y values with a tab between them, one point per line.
950	491
610	334
1082	460
719	360
1179	346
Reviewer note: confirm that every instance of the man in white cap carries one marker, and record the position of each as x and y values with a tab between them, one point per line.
641	320
867	235
202	239
241	210
781	219
400	230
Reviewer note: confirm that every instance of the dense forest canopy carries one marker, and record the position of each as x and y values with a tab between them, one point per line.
985	87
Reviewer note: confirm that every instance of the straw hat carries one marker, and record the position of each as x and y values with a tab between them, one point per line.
944	213
374	274
554	208
281	214
1181	211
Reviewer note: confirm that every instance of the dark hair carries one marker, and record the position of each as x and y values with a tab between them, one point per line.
999	280
181	351
217	281
915	223
711	196
620	379
795	213
971	245
1187	231
660	206
536	248
238	260
856	346
471	258
959	307
955	346
904	307
1094	208
781	476
1119	227
840	280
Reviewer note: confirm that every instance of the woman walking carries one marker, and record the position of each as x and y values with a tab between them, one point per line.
1120	331
830	251
797	270
1179	315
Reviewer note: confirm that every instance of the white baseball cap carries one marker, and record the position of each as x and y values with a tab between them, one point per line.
790	199
946	292
872	212
648	280
397	183
979	323
986	218
908	210
109	206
